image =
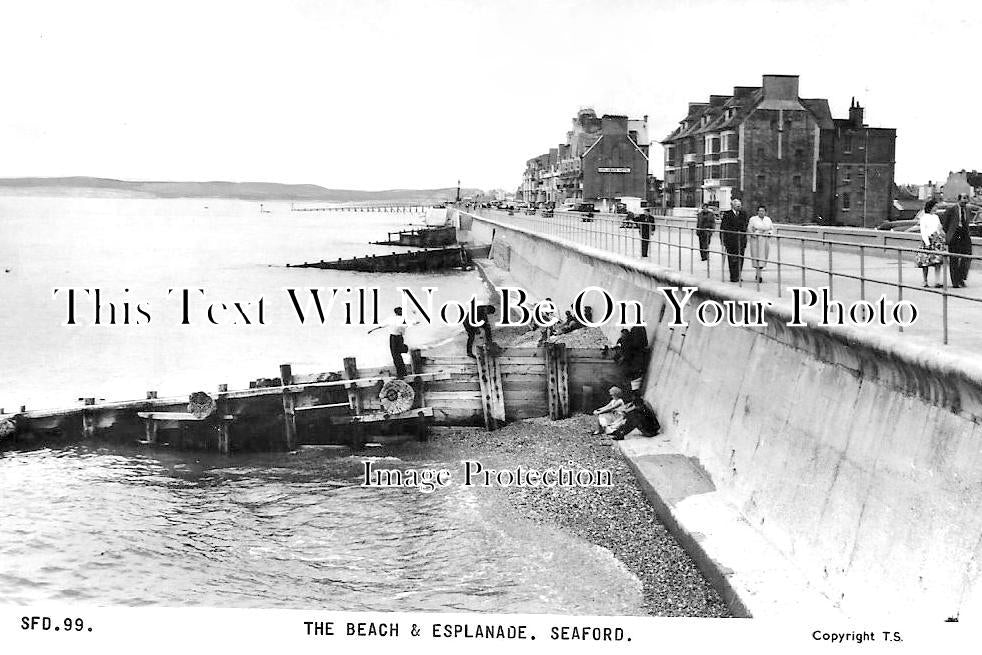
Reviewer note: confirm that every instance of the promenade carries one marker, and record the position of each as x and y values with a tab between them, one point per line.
852	271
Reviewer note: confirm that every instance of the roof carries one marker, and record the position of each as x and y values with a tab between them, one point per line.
748	100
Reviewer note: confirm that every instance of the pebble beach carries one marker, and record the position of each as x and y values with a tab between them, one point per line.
617	518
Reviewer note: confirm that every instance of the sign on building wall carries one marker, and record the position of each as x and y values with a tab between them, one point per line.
614	170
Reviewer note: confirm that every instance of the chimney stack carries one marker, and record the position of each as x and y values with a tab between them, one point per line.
855	114
613	124
780	87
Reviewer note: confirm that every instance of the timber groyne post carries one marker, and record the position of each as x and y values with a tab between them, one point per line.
289	405
222	409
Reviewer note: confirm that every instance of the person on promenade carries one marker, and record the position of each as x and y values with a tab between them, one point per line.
482	314
610	416
933	240
396	326
644	221
705	224
733	233
760	229
955	224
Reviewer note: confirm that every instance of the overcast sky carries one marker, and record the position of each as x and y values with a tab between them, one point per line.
378	94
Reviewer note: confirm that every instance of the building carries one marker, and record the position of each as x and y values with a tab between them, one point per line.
962	181
603	159
766	145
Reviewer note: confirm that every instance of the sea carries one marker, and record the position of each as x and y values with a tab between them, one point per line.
133	527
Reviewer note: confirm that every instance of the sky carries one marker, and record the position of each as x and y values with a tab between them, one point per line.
374	94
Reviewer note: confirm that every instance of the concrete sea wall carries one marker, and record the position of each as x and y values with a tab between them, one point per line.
858	455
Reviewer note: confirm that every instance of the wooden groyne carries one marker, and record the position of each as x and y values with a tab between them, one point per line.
518	383
425	237
278	413
416	261
349	407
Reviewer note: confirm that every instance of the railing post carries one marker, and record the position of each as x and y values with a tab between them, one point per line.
777	244
692	260
900	282
658	240
829	246
803	262
944	299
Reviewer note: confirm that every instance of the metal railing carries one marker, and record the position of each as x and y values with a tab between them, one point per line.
858	270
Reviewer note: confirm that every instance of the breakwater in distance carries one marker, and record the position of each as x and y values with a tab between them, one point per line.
854	453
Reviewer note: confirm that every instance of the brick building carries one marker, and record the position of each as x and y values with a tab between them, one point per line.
768	146
603	158
962	181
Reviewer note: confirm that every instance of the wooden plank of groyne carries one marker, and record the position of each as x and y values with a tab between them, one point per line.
439	397
289	418
179	416
492	397
351	372
316	407
418	412
562	378
416	362
557	369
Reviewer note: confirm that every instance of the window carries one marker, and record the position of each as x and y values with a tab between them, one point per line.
796	181
760	180
847	143
715	145
845	202
847	177
796	211
760	153
799	153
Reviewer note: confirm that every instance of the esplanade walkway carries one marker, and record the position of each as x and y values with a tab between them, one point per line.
854	264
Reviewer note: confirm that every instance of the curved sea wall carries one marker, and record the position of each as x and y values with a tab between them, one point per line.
858	455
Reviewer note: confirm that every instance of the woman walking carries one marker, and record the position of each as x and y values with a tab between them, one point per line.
931	254
760	229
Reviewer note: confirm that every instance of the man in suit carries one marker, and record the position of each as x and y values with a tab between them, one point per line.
644	221
733	234
705	224
955	224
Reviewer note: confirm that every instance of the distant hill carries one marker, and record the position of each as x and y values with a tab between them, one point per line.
95	186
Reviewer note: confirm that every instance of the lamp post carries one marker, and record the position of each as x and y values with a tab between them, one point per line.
458	190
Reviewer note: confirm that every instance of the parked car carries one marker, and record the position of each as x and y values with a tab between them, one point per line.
585	208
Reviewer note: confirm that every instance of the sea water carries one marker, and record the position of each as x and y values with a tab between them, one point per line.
129	526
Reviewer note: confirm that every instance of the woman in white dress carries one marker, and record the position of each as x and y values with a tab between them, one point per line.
933	244
759	231
611	416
